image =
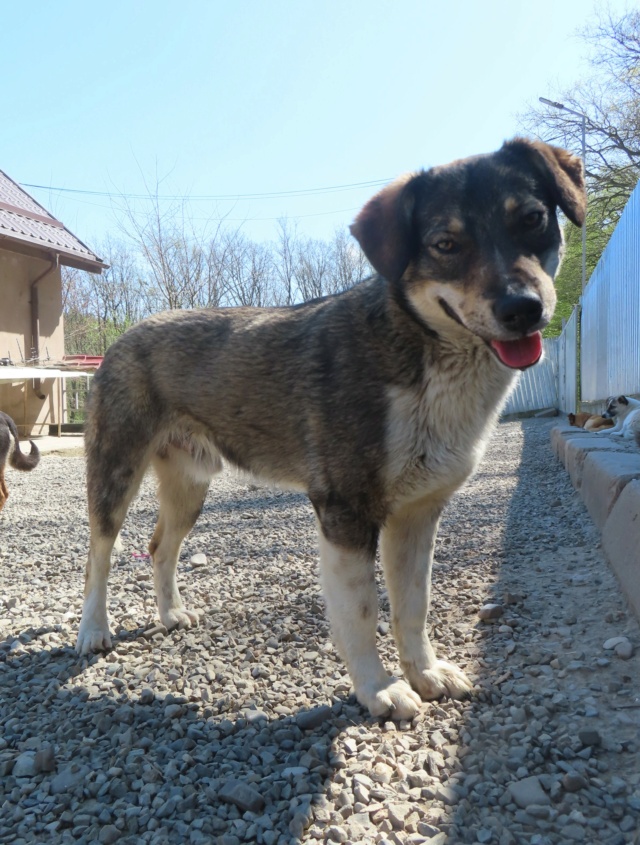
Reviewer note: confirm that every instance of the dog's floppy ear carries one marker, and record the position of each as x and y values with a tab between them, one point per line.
384	228
563	171
623	400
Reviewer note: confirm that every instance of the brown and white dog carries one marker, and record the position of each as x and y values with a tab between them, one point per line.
589	422
378	402
17	459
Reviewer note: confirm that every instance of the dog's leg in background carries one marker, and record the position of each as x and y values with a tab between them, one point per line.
181	497
407	545
352	604
5	445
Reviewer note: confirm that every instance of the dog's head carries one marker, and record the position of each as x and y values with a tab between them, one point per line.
617	406
474	246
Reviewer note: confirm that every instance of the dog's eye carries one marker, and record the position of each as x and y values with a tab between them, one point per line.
533	219
446	246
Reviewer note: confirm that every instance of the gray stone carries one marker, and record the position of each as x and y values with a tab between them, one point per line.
25	765
528	791
68	779
242	795
307	720
490	611
573	782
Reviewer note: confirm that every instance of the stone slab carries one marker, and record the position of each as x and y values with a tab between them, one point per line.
578	448
605	474
621	542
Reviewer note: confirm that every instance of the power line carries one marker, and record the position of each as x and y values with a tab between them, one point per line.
209	197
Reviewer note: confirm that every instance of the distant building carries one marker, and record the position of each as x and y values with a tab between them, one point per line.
33	248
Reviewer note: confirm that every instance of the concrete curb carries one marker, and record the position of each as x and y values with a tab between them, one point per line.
606	473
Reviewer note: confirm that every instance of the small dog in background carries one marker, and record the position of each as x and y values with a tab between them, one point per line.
17	459
625	412
589	422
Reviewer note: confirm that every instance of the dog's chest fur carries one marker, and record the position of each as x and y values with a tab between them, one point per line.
437	432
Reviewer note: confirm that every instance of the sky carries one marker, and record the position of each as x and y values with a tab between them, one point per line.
253	110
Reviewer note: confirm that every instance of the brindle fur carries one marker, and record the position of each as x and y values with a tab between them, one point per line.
18	460
377	402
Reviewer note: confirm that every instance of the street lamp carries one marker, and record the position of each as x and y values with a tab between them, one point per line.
579	114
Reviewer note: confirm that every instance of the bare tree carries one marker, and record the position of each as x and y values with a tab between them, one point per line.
610	101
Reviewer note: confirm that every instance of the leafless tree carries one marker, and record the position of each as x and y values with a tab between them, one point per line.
610	100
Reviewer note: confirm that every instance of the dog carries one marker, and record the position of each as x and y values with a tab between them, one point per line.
377	402
625	412
589	422
17	459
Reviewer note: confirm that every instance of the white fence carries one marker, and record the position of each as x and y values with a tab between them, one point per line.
537	387
568	365
610	326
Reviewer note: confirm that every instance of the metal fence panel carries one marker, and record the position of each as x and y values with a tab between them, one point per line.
610	330
537	387
568	365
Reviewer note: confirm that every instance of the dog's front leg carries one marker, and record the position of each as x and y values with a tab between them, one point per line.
350	593
93	634
407	545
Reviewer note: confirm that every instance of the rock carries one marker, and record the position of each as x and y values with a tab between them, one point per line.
243	796
624	650
109	834
528	791
25	765
68	779
398	813
198	559
612	642
590	738
147	696
490	611
307	720
173	711
574	782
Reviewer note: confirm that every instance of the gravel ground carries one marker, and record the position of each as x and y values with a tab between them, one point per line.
245	729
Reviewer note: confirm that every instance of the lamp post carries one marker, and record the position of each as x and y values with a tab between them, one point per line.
579	114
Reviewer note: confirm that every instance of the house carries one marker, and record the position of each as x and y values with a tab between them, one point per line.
33	248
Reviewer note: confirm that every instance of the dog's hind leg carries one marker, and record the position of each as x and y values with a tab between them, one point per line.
112	481
182	488
407	545
352	604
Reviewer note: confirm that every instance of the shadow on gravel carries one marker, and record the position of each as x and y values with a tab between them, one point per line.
81	765
531	764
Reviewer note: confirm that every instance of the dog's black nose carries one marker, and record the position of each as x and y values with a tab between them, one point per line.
518	312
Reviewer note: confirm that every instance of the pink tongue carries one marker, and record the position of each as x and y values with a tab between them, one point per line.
519	354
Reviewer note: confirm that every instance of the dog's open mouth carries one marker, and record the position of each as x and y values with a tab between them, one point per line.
519	354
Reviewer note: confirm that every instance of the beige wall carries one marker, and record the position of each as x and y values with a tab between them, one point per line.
31	414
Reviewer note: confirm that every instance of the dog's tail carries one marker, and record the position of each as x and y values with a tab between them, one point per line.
18	459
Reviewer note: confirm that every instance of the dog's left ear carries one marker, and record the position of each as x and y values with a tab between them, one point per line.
563	171
623	400
384	228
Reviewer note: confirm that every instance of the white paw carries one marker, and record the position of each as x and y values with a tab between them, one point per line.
395	698
178	617
444	679
93	639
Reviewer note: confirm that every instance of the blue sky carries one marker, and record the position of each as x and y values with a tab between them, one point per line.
244	97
